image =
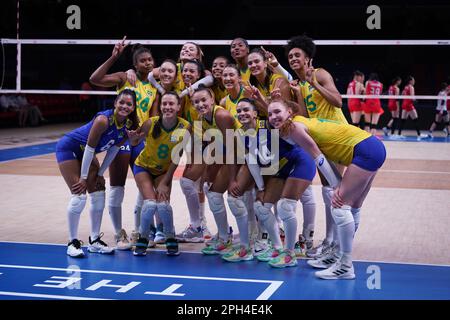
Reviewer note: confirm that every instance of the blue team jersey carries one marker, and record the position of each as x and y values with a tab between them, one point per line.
112	136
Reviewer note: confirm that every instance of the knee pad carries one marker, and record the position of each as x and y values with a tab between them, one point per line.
188	186
97	200
77	203
216	202
286	208
307	197
116	196
263	212
237	206
163	207
149	206
342	216
327	195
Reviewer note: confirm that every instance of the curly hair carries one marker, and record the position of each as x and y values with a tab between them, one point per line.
302	42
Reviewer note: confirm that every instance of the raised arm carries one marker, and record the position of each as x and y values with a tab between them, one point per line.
323	82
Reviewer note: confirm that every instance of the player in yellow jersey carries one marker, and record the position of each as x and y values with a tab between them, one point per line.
146	101
264	80
235	90
318	97
363	153
239	50
154	169
219	63
215	173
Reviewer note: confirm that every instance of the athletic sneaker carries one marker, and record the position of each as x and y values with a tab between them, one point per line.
282	235
98	246
122	242
302	246
134	237
286	258
206	233
74	249
386	131
430	134
141	247
324	262
260	247
445	131
191	235
160	237
220	247
172	247
338	270
317	251
241	253
214	239
269	254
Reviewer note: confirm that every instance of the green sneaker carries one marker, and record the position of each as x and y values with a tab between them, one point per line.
268	254
218	247
284	259
241	253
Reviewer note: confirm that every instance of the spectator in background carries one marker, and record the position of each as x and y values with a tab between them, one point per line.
28	111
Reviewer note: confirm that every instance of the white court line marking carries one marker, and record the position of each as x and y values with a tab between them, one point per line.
169	291
265	294
198	252
49	296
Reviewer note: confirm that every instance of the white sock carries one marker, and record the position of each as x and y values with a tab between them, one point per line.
327	194
193	202
239	210
166	214
309	213
96	212
115	207
270	223
217	206
287	211
137	211
148	211
356	212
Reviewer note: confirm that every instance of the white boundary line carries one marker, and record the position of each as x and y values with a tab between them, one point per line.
48	296
440	42
196	252
273	284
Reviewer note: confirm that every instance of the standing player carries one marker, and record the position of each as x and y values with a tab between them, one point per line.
408	109
355	105
394	106
239	50
154	169
441	111
218	88
106	132
372	107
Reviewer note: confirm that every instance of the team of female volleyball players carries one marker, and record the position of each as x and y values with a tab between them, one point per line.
158	109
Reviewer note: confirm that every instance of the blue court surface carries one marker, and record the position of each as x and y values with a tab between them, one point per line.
26	152
43	271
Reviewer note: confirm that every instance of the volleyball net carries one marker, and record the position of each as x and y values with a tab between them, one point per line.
38	65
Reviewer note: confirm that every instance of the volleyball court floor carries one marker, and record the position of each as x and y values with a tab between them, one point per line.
401	249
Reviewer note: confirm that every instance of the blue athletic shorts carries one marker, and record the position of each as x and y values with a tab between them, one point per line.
369	154
135	151
300	165
68	149
138	169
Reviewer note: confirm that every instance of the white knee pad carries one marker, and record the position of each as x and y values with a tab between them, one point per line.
327	194
263	212
342	216
307	197
188	186
77	203
97	200
166	214
116	194
237	206
286	208
163	207
149	206
216	202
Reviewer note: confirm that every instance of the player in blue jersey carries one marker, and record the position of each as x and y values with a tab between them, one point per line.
75	154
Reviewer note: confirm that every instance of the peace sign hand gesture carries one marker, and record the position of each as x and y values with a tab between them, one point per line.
310	74
119	47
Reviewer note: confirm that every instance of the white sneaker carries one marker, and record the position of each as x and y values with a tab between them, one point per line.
206	233
338	270
134	237
74	249
320	250
160	237
122	242
191	235
386	131
98	246
260	247
324	262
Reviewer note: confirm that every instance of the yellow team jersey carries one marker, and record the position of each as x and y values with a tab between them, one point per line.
245	74
230	104
335	139
317	106
156	156
188	111
179	83
145	96
266	91
219	93
213	125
